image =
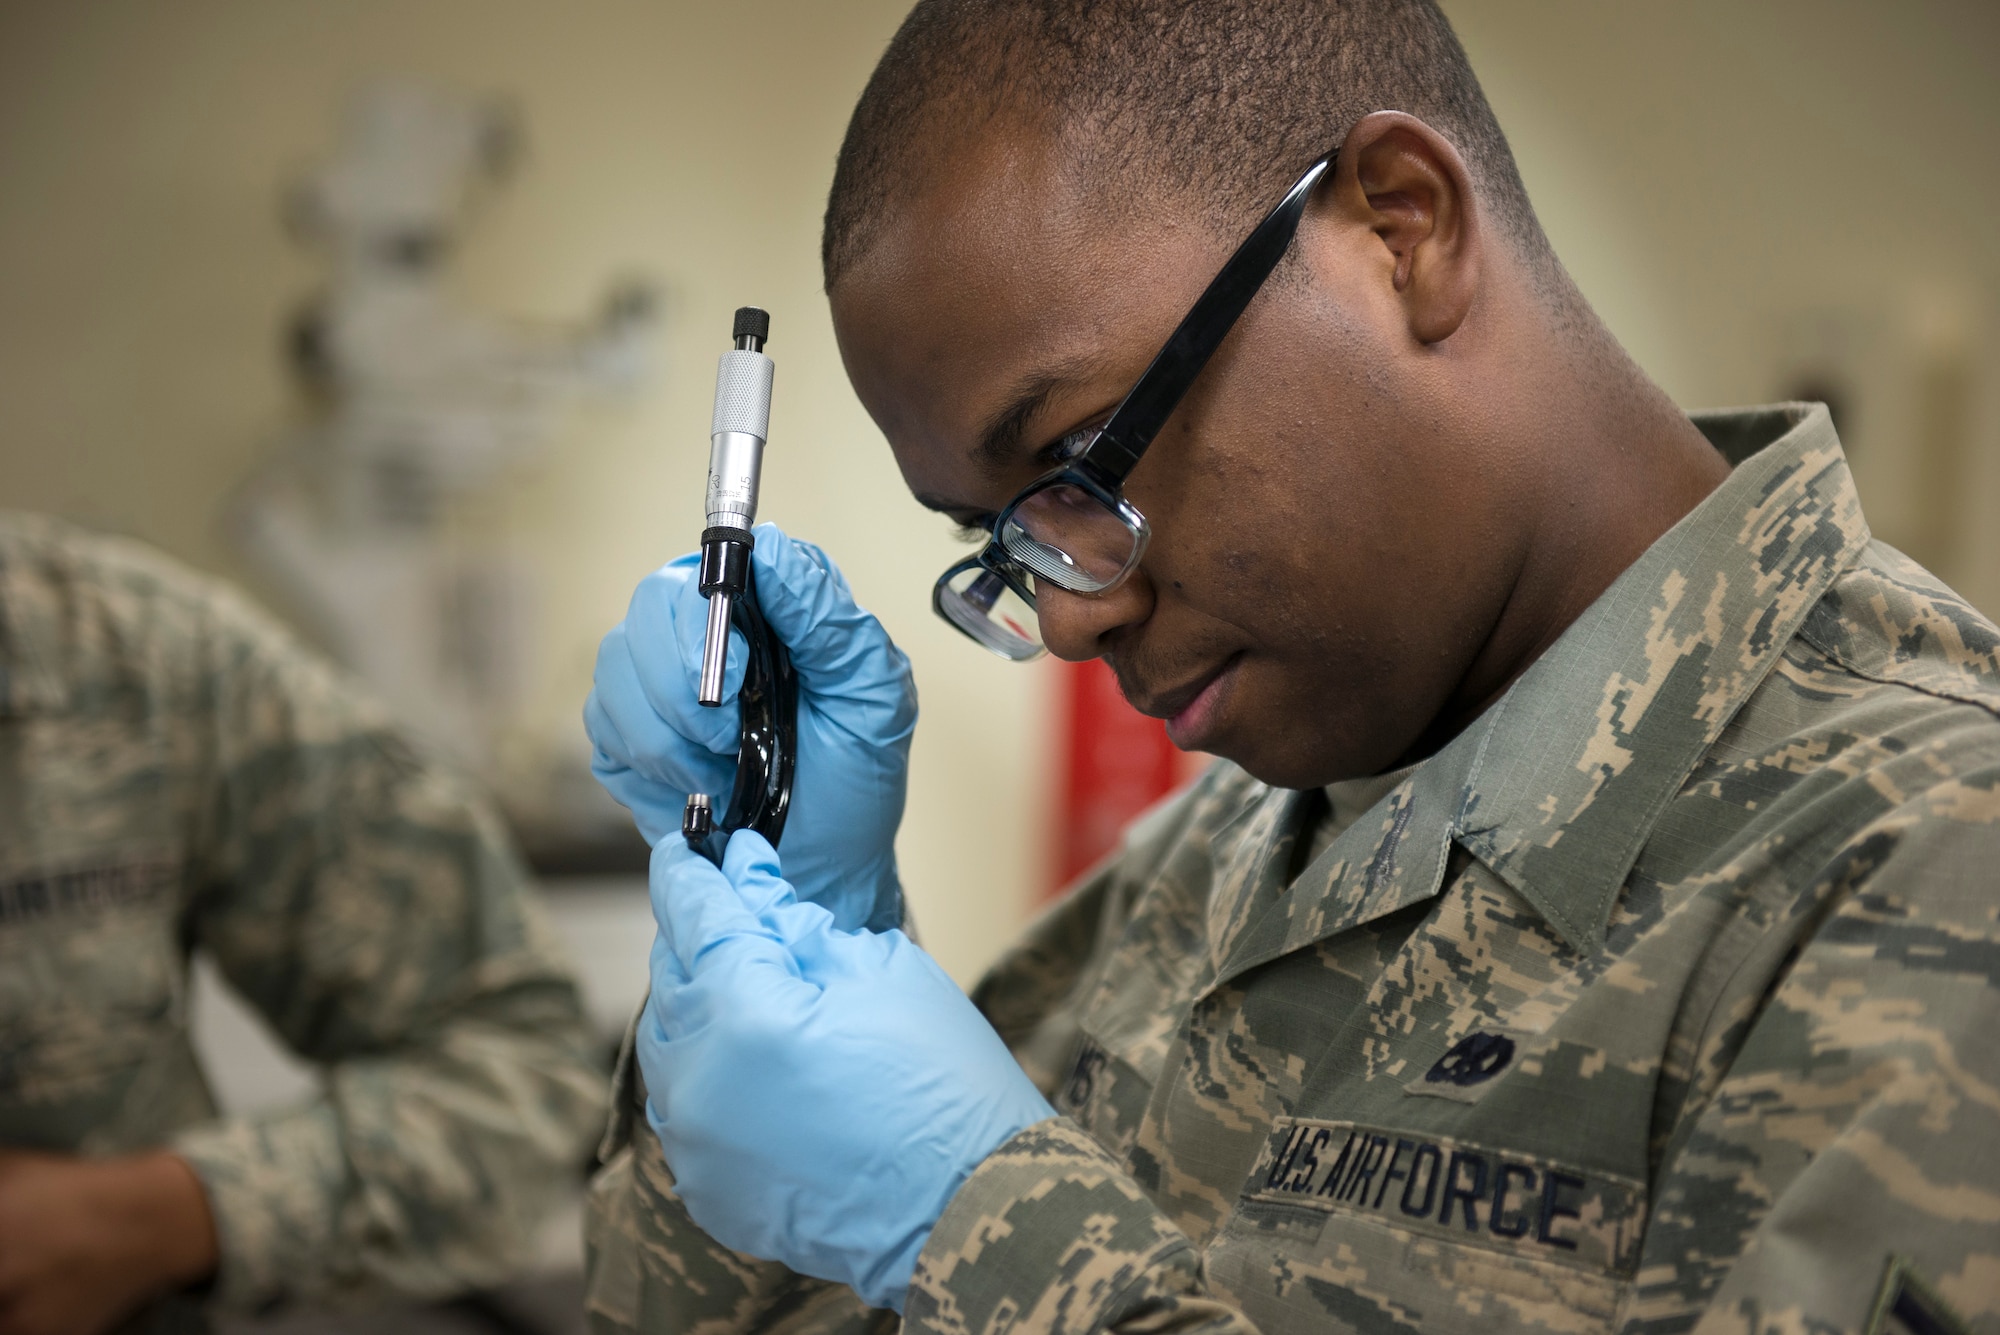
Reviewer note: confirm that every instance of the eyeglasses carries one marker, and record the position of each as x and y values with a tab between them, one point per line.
1072	527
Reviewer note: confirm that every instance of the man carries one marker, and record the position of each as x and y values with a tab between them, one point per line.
1592	924
176	773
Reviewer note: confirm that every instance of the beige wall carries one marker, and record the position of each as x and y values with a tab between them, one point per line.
1755	194
1742	188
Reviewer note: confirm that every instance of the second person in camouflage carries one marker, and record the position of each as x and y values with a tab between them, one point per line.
177	774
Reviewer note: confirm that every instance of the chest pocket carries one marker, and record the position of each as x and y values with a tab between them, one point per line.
1433	1174
1376	1229
92	997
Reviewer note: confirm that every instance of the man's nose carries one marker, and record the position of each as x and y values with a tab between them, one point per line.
1076	627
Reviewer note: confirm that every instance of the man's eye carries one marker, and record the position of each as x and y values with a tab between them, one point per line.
973	530
1075	443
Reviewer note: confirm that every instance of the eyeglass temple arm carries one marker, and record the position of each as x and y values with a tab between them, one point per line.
1118	448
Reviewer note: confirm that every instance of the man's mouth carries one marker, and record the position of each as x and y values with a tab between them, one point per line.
1191	710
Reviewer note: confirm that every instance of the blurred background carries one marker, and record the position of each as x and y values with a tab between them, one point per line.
404	314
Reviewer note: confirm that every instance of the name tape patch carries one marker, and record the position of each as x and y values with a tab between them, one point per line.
38	894
1454	1191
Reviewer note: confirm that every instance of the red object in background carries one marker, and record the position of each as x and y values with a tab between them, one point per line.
1116	763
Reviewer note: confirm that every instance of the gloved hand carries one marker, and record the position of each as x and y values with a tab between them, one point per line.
654	743
820	1094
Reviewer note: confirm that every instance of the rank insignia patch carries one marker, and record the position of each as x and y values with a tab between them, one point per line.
1472	1060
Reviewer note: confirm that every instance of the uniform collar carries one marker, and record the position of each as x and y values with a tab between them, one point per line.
1557	786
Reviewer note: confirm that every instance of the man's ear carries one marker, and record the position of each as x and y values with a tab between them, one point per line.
1408	185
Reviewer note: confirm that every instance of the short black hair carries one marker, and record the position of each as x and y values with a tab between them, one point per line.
1226	101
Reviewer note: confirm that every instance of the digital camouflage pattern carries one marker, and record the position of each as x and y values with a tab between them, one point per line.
1663	997
176	773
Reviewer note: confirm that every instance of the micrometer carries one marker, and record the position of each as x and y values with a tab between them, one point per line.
767	747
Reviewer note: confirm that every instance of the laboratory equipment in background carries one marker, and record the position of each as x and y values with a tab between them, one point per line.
415	403
1114	763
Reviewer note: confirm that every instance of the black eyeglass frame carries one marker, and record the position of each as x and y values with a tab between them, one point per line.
1100	470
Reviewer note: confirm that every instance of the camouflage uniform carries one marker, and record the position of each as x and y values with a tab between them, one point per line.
1664	995
177	773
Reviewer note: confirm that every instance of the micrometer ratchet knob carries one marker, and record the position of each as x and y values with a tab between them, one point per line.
753	325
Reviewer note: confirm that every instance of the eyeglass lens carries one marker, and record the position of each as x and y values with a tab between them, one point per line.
984	606
1067	536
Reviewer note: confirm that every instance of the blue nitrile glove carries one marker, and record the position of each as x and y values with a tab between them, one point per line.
820	1094
857	708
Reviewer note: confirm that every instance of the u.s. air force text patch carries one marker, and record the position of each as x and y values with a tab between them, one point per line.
1453	1191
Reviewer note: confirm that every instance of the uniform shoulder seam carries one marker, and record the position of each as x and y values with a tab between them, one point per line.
1921	686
